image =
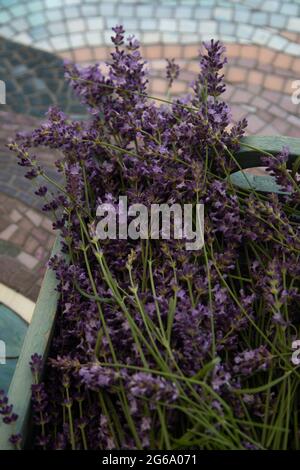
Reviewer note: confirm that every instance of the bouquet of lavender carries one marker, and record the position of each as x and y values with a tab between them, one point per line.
156	346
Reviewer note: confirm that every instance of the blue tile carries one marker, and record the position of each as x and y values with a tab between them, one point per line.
259	18
289	9
36	19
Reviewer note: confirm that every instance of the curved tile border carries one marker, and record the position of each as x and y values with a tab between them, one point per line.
55	26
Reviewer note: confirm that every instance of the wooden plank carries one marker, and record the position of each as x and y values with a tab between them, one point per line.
36	341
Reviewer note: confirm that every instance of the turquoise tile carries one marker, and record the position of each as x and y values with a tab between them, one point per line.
4	17
278	42
107	9
54	15
77	25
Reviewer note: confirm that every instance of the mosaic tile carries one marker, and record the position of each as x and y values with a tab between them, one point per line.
76	26
277	20
149	24
203	13
4	17
289	9
187	25
167	25
125	10
259	18
223	14
245	31
144	11
227	29
271	5
96	23
57	28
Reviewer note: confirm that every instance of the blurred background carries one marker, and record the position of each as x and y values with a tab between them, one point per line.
262	38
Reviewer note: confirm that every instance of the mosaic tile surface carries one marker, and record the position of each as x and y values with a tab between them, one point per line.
263	46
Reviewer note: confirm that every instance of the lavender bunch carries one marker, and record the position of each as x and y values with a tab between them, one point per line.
156	346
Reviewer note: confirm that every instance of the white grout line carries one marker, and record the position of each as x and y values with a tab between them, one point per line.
17	302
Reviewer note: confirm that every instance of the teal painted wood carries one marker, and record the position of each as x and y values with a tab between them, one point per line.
248	157
36	341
